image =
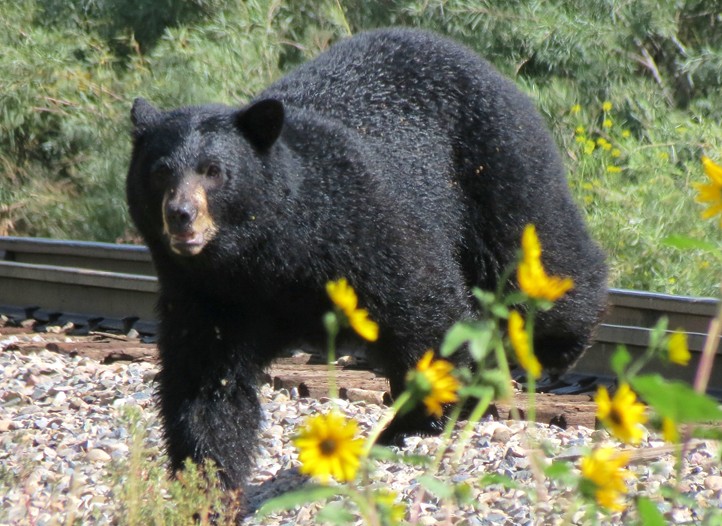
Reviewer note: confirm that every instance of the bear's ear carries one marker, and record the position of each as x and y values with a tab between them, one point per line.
261	123
142	114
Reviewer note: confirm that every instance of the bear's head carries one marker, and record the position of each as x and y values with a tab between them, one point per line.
199	171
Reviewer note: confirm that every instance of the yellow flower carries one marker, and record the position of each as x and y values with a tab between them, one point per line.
604	469
626	134
589	147
342	294
580	139
669	430
606	106
616	152
711	192
522	348
607	123
579	130
344	297
623	415
614	169
576	109
678	349
386	501
328	447
532	277
434	381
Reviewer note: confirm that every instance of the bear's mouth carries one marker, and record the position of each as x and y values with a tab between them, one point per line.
188	243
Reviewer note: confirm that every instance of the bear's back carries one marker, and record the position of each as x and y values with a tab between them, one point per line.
374	79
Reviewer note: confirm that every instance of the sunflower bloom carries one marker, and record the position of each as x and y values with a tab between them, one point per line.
520	343
532	277
623	415
344	297
432	380
710	193
328	447
678	349
605	469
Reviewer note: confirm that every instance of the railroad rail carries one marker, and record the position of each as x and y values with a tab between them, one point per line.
114	287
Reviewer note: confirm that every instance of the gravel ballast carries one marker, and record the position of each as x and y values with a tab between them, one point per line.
62	431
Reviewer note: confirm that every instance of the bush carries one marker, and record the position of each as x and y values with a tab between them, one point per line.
70	70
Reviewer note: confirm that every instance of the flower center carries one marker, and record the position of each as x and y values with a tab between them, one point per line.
616	417
327	446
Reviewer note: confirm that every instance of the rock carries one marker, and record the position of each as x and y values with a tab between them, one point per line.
97	455
713	482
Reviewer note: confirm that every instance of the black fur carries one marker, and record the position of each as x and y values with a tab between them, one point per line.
399	160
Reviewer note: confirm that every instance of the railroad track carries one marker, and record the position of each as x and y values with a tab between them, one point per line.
113	287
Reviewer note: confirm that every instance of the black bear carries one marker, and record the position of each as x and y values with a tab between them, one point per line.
397	159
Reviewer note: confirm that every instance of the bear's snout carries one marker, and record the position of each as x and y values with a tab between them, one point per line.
179	216
187	223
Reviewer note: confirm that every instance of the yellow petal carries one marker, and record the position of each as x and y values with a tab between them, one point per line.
713	170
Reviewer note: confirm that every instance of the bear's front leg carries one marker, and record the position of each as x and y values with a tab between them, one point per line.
208	399
215	419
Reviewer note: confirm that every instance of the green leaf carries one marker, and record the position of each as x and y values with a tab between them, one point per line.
676	400
658	333
500	311
480	345
476	391
515	298
494	478
459	334
335	513
558	470
484	297
649	515
298	497
477	334
620	360
689	243
436	487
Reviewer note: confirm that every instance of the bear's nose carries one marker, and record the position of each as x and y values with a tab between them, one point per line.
180	217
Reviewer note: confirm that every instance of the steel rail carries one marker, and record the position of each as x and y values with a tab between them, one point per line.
61	280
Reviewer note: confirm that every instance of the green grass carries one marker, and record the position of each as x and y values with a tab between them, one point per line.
69	71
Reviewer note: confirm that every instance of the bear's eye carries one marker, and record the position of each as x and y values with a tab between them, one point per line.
213	171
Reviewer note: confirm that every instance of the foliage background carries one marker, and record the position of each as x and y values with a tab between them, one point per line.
69	70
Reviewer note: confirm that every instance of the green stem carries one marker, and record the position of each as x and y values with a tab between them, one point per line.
531	381
503	364
332	323
481	406
709	350
364	503
388	416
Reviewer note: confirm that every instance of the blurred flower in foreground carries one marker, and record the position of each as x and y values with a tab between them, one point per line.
604	470
710	193
532	277
387	503
521	345
623	414
328	447
344	297
669	430
432	381
678	349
